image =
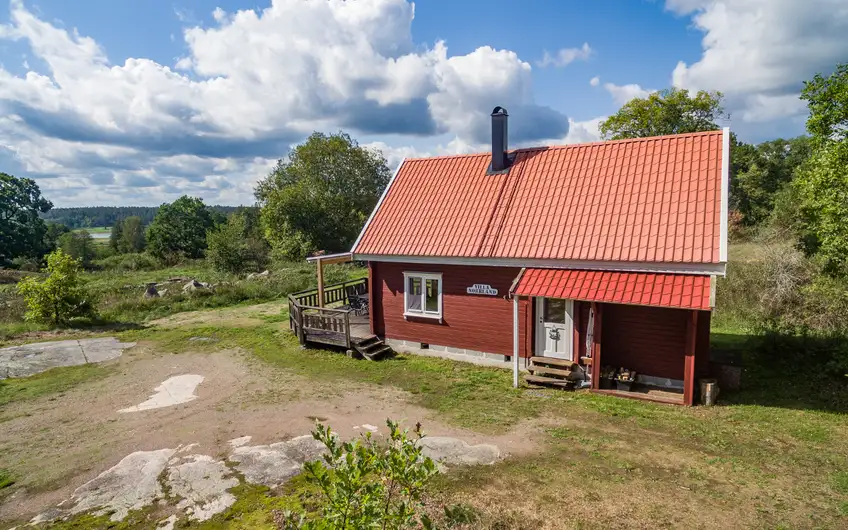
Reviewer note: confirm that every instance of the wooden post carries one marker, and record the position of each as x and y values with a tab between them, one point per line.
596	346
320	283
372	307
347	329
515	344
301	335
689	362
575	331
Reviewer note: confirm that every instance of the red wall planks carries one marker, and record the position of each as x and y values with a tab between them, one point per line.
474	322
650	340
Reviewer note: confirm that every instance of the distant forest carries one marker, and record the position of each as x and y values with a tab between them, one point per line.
96	216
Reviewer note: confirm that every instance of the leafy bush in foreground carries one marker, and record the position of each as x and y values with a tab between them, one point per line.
365	484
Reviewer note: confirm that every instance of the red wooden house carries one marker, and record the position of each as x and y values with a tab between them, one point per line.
597	254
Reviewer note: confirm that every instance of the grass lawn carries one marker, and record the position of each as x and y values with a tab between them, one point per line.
53	381
600	461
771	456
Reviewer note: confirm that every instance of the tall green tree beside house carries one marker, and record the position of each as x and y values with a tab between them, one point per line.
822	182
22	229
827	99
670	111
757	172
761	171
321	195
179	229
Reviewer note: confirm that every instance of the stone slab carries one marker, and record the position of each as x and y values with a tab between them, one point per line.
273	465
173	391
31	359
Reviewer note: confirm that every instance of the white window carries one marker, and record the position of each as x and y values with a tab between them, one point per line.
422	294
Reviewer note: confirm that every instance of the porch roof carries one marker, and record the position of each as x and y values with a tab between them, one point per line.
685	291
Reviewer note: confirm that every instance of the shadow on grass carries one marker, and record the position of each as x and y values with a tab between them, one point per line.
784	371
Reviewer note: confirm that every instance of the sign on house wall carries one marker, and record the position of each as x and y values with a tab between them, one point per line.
482	288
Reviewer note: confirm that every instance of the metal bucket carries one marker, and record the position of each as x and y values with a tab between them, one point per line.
709	392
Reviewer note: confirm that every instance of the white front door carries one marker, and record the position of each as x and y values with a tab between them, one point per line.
554	328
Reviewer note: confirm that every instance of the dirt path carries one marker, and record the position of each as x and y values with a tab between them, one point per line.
58	443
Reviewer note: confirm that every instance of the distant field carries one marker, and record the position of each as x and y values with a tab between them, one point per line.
95	230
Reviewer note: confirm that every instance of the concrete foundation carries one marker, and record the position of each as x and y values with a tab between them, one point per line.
455	354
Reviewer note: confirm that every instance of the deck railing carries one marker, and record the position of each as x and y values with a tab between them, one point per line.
332	293
322	324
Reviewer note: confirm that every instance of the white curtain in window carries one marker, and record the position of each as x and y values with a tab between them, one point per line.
413	293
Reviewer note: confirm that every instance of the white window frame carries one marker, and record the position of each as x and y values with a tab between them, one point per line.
424	276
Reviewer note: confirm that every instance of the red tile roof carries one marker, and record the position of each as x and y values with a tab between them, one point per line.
650	200
664	290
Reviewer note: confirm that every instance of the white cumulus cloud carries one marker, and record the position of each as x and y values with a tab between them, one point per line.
566	56
249	86
758	52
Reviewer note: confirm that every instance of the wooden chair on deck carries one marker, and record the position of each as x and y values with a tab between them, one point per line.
356	300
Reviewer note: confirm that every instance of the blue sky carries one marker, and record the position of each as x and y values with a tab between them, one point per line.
107	102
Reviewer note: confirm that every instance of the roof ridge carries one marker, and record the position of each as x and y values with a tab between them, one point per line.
574	146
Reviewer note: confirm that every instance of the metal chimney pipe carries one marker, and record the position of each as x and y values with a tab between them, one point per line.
499	139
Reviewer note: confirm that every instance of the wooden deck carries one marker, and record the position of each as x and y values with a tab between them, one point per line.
360	329
328	318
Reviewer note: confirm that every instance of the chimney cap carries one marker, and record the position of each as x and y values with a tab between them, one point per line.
499	111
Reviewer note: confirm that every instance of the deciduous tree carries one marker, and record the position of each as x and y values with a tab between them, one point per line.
670	111
23	231
368	483
115	235
321	195
60	296
78	245
132	235
822	182
827	98
179	229
237	245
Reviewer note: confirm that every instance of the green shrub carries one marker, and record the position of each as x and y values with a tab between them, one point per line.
27	264
790	301
79	245
60	296
234	249
365	484
129	262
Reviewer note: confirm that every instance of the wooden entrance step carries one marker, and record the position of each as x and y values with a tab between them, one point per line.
551	361
549	371
549	381
372	348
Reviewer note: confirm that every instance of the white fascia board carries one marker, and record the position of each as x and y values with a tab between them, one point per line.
725	193
377	207
704	269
